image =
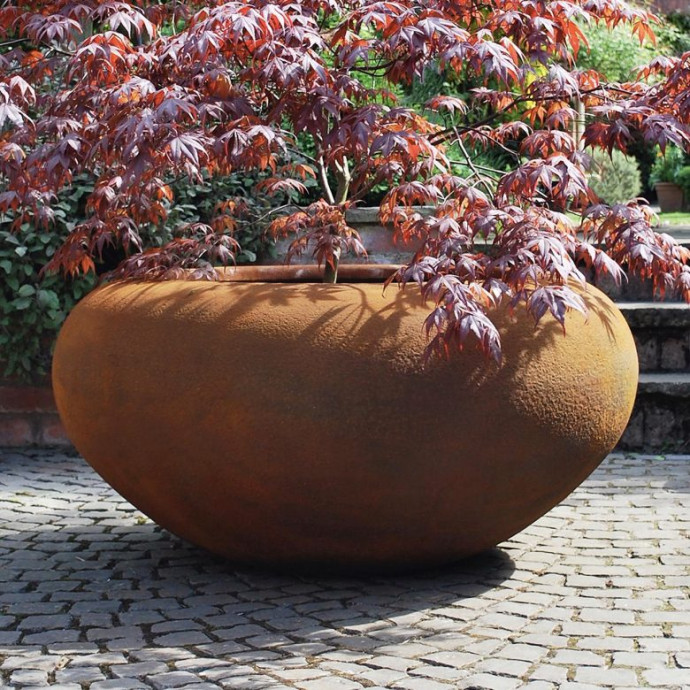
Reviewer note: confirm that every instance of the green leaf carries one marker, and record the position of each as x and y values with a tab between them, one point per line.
21	303
54	320
48	299
20	251
26	291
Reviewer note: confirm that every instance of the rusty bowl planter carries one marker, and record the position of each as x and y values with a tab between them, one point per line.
292	424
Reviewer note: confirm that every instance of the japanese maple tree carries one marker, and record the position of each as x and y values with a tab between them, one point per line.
143	93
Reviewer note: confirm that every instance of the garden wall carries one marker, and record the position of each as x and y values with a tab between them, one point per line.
28	416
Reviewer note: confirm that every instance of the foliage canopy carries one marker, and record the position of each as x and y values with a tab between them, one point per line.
144	93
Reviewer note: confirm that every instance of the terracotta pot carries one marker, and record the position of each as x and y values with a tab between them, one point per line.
669	196
293	424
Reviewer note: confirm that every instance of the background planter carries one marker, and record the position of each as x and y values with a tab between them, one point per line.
669	197
292	424
381	245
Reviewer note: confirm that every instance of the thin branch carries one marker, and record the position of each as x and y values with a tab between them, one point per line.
301	154
445	134
473	168
344	178
57	49
483	168
373	71
274	210
12	42
323	179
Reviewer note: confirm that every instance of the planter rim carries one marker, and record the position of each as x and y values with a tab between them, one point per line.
305	273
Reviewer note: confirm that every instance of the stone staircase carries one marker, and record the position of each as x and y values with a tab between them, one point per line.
660	420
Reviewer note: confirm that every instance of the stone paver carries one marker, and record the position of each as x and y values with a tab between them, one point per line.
93	596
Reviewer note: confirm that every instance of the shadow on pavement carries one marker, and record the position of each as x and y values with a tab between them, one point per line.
79	565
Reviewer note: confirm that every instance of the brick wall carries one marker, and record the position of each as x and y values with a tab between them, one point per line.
28	416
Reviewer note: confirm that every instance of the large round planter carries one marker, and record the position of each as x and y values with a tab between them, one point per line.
293	424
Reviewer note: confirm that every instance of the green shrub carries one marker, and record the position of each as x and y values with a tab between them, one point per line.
616	53
673	33
617	179
667	166
683	180
32	307
197	203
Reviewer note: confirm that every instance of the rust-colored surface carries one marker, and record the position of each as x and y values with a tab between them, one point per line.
292	424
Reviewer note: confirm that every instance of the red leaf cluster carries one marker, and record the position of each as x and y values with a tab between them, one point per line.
323	226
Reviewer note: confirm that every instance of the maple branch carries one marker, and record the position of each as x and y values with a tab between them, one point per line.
12	42
343	177
443	135
301	154
274	211
61	51
359	190
493	142
484	168
330	270
374	70
472	167
610	86
323	179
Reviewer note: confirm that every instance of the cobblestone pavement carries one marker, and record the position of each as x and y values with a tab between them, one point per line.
93	595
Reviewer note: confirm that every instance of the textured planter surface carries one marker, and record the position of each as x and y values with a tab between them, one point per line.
292	424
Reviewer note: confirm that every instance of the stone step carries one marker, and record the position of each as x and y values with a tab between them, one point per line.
660	422
675	384
662	334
